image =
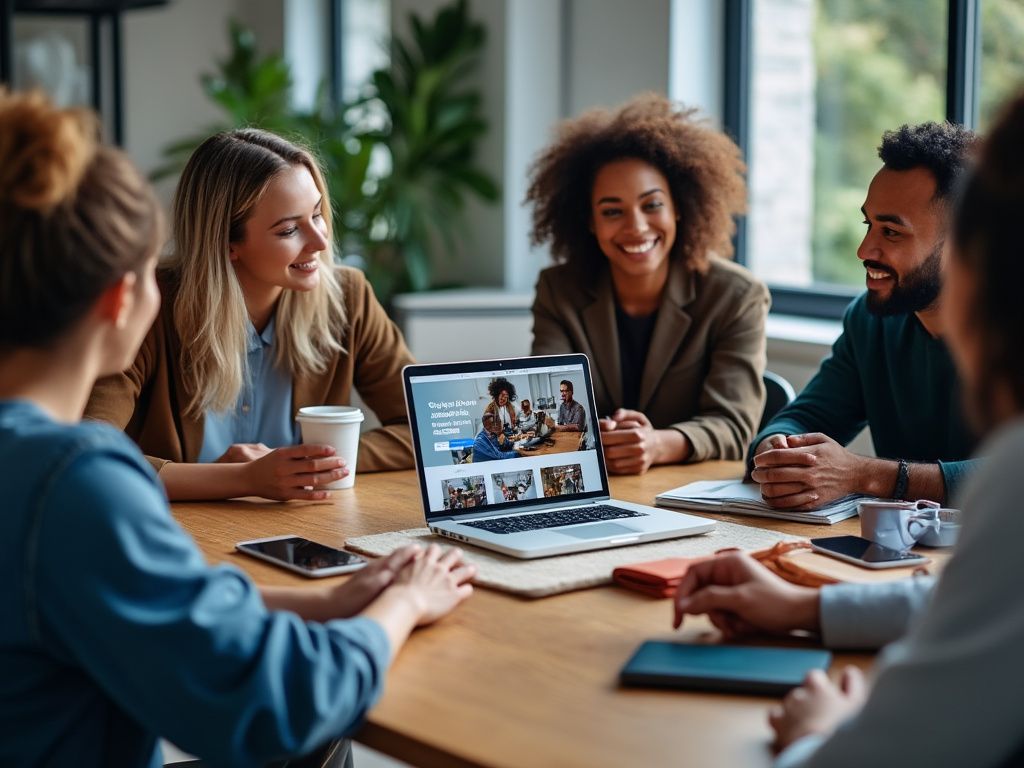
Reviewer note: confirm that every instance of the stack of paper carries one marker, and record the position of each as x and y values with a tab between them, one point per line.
739	498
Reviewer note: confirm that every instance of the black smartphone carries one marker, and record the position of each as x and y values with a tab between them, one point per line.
302	555
865	553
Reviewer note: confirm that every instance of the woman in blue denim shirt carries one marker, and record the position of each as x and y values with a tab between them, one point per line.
113	630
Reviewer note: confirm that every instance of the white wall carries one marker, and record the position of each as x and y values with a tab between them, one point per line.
616	50
165	51
696	56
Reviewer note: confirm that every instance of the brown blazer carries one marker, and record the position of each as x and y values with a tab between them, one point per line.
147	401
707	354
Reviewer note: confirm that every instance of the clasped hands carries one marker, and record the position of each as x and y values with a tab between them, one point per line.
632	444
801	472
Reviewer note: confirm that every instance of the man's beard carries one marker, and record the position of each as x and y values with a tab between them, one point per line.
914	292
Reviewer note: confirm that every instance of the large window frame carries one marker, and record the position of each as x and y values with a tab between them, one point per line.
963	51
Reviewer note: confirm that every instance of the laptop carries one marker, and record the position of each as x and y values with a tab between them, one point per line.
492	476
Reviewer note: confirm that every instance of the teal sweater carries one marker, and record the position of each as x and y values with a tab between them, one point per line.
889	374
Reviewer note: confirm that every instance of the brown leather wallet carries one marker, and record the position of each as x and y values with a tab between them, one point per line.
659	578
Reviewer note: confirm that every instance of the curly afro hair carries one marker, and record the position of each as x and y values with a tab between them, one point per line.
703	167
945	149
498	384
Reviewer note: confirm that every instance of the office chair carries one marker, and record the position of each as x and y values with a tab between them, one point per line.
779	394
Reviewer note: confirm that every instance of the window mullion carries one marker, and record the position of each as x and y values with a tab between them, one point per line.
962	68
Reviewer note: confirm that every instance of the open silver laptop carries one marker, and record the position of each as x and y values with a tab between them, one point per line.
493	476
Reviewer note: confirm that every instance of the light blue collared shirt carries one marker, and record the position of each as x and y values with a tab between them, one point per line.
263	413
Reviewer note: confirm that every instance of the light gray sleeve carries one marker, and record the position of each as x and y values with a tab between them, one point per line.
797	753
871	615
950	693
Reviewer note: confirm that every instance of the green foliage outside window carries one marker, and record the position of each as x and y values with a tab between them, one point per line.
882	63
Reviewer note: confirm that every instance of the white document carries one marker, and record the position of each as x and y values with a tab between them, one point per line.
739	498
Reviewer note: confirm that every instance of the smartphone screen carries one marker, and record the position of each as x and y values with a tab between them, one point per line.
302	553
863	549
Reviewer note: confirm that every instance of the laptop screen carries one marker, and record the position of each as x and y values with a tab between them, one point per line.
499	435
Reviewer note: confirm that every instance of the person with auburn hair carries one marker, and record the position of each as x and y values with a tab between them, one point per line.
638	205
947	693
113	630
257	322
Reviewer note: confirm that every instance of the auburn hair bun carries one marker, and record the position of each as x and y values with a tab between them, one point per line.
44	151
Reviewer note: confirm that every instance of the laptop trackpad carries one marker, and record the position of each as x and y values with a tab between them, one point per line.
596	531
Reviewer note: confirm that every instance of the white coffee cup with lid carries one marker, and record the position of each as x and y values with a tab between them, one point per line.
338	427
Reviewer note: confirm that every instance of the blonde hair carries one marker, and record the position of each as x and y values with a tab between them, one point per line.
75	217
219	188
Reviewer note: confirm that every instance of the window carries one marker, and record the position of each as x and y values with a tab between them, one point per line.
813	84
1002	55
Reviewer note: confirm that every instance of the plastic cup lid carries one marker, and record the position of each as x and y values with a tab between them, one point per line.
335	414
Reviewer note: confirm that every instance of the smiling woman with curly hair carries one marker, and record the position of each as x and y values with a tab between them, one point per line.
503	394
638	206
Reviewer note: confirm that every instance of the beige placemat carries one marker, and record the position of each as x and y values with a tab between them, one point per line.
564	573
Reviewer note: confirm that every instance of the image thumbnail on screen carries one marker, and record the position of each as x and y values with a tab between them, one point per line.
464	492
514	486
562	480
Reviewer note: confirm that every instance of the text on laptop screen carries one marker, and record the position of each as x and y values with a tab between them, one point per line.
499	437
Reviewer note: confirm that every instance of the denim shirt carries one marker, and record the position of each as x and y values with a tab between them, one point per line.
114	630
263	413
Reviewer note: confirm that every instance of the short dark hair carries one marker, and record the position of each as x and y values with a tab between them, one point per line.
488	417
986	237
945	149
498	384
568	385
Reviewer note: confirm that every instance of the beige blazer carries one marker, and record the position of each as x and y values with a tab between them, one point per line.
147	400
703	370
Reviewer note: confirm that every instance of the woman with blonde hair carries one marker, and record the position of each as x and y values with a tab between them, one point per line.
258	321
113	629
638	207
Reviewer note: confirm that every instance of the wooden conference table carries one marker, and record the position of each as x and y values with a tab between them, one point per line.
506	681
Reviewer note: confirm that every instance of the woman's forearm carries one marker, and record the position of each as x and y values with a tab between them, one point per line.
201	482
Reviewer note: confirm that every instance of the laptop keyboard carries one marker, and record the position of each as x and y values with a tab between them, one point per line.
556	519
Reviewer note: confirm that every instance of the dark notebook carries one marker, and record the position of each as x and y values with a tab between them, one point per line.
727	668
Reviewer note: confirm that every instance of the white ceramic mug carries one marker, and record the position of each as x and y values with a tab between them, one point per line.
948	530
898	524
338	427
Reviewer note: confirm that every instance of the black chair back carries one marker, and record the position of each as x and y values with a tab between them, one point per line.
779	394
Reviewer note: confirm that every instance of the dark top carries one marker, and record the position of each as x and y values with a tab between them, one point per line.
634	342
890	374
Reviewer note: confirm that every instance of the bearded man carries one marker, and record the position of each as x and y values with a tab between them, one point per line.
890	369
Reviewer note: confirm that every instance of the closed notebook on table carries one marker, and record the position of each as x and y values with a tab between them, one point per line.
724	668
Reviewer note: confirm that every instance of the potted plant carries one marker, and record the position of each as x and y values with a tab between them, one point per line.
394	218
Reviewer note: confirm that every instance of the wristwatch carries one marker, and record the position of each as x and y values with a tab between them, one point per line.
902	479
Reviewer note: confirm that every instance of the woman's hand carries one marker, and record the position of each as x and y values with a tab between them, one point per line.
740	597
295	472
346	599
818	706
366	584
632	444
435	582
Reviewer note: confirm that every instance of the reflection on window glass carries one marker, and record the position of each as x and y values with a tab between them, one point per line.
829	77
1002	55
